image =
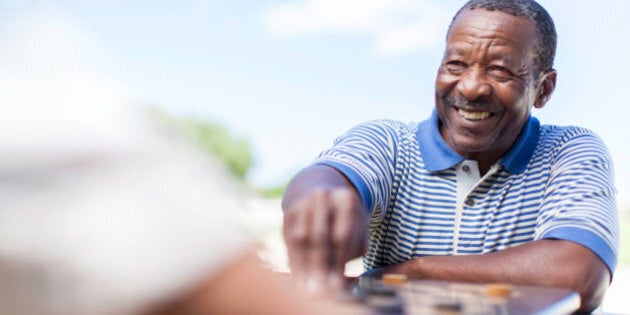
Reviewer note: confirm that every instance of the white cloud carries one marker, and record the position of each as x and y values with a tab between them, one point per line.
397	26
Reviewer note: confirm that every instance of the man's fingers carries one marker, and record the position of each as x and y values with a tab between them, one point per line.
296	232
323	231
348	229
320	249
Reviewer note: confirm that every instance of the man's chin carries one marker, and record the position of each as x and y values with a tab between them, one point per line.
466	147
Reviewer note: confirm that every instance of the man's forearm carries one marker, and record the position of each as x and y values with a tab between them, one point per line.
312	177
553	263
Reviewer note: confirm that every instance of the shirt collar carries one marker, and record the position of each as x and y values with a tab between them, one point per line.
438	155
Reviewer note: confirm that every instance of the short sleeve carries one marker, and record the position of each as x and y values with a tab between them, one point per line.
579	203
366	155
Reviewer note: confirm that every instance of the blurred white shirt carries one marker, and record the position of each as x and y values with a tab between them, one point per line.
107	213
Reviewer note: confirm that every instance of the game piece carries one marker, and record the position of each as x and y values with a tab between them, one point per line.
498	289
394	279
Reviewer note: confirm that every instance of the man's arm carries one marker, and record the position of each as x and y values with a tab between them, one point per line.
554	263
325	226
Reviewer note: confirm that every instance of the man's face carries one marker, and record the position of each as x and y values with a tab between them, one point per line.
485	85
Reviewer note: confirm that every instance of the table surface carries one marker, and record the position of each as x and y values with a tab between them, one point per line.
436	297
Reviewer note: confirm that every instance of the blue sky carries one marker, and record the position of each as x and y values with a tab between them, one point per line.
292	75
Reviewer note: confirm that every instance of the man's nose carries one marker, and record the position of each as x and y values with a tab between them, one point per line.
473	84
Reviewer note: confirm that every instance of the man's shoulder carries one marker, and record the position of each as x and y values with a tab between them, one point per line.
561	134
571	142
397	127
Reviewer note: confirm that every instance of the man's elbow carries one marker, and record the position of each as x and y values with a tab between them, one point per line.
592	287
579	269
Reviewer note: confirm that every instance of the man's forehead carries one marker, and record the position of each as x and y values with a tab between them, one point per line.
494	49
496	28
492	23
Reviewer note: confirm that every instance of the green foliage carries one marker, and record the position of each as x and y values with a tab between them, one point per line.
273	192
234	152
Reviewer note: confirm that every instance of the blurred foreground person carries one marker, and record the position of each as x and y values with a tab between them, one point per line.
104	212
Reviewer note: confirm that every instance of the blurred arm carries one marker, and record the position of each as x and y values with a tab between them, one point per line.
241	287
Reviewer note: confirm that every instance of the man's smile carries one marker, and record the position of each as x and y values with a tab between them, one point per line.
473	115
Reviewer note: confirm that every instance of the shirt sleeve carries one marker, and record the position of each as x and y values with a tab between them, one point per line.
366	155
579	202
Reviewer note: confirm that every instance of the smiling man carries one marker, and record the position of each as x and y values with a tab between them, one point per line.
481	191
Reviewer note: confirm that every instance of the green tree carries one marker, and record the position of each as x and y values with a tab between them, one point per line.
235	152
273	192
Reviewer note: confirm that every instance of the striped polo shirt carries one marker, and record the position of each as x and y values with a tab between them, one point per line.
425	199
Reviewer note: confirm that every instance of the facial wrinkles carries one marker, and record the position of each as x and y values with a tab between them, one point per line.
489	28
481	50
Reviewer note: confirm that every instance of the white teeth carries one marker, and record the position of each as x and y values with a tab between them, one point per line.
474	115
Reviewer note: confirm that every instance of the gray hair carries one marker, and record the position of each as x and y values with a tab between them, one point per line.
547	39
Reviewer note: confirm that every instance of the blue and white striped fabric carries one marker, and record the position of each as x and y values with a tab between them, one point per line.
555	182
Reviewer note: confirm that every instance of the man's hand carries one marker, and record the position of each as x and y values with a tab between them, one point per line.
324	227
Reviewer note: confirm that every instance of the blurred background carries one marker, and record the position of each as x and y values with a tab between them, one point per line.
267	84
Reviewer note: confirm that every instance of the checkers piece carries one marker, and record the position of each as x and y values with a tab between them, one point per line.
394	279
498	289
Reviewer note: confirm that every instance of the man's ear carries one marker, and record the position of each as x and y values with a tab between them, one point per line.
546	88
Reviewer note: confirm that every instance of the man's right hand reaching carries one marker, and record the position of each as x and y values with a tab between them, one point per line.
325	226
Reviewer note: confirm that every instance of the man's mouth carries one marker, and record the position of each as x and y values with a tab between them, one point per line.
473	115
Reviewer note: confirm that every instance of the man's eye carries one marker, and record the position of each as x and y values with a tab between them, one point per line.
500	73
455	67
